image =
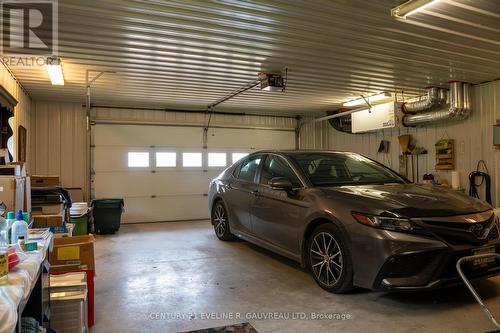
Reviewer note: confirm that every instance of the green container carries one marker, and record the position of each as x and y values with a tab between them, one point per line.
81	225
107	215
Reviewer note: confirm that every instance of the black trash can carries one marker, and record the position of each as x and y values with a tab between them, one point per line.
107	215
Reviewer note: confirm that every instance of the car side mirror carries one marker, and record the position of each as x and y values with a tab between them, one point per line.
281	183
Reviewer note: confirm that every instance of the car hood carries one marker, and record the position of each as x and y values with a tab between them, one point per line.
408	200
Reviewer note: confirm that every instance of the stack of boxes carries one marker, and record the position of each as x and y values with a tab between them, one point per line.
15	187
69	303
48	208
72	255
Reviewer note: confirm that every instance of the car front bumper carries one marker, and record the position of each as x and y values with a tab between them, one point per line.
385	260
433	269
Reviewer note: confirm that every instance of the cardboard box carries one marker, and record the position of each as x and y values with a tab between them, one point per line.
39	221
78	250
76	194
54	220
48	209
12	192
16	169
44	181
48	220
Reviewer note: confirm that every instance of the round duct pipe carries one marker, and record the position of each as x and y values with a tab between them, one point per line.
459	107
342	124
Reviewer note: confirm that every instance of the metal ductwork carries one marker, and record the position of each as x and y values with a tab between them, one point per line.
342	123
435	97
458	108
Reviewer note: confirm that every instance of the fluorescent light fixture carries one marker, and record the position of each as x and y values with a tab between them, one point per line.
378	117
54	68
370	99
411	7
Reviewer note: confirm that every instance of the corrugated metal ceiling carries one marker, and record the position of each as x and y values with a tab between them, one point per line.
189	53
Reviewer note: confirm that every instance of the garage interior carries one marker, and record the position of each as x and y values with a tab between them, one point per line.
159	97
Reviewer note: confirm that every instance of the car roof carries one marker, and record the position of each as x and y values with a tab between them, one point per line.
300	151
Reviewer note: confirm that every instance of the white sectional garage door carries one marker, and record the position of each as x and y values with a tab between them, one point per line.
127	159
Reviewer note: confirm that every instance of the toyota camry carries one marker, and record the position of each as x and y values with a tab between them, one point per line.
352	221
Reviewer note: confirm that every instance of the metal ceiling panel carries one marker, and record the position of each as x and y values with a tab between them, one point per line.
187	54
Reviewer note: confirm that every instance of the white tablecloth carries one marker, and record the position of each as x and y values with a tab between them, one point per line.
21	281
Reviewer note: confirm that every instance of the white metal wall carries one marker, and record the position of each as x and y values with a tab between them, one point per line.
473	140
58	141
314	135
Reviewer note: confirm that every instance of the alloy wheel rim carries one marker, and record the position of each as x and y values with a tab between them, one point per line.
220	220
326	259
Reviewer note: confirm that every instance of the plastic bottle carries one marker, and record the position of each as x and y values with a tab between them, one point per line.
4	231
11	218
22	243
4	247
19	228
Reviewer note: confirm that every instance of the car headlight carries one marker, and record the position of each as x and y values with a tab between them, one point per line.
386	223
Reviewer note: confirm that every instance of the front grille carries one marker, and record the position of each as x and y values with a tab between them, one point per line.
461	226
494	234
463	233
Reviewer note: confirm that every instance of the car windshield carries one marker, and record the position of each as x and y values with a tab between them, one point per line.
337	169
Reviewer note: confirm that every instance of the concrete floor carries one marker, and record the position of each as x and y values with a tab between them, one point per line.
167	277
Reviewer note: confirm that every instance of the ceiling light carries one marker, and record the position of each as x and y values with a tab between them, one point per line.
371	99
54	68
411	7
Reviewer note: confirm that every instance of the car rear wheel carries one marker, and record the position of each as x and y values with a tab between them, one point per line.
221	223
329	259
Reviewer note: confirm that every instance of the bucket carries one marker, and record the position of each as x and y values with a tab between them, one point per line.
81	225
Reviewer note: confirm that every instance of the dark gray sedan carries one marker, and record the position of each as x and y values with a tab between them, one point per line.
353	221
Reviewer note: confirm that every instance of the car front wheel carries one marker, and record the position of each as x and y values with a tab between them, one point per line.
221	223
329	259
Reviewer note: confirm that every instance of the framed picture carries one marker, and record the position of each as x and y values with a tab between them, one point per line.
21	144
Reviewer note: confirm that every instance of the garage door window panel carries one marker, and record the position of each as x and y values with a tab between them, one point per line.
217	160
276	166
166	159
138	159
192	160
235	157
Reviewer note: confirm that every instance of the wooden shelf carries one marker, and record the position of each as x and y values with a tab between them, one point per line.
445	157
445	167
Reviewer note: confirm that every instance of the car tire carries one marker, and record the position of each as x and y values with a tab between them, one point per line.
329	259
220	221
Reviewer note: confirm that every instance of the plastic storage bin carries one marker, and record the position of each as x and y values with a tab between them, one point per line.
107	215
69	311
81	224
69	302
